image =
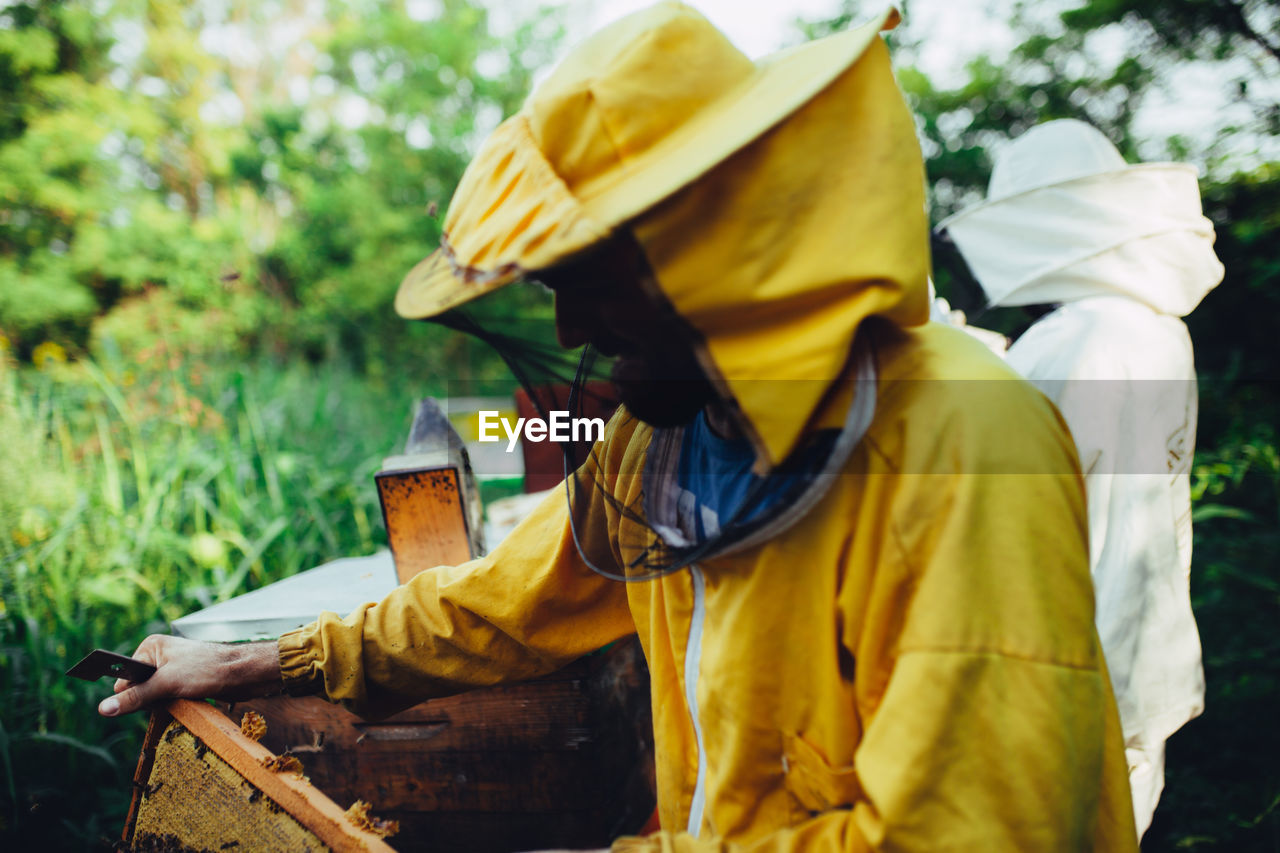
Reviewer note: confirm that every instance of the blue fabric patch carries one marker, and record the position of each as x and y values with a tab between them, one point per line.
716	473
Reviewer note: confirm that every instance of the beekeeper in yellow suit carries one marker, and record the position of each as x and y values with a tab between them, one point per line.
868	617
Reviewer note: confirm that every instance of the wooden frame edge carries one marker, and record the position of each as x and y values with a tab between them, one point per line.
307	804
146	758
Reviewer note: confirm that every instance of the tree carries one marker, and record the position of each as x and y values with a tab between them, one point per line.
363	171
53	67
192	180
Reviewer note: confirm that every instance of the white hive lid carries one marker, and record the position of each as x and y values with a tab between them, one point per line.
264	614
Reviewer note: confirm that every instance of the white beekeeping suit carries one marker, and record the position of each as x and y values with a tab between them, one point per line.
1124	251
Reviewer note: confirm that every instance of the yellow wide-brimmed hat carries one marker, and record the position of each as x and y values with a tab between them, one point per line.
637	112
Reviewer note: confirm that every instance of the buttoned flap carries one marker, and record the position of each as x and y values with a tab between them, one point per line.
813	781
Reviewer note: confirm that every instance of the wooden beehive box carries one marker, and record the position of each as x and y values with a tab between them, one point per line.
561	762
202	785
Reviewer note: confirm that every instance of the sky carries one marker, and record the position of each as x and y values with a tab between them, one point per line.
759	27
1192	101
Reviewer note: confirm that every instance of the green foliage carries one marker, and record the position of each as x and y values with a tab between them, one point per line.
1239	39
1234	328
51	179
1222	786
132	493
1189	29
291	218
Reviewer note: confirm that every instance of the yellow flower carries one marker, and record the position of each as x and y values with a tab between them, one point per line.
47	354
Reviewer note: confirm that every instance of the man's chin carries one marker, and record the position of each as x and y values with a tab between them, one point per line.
662	395
667	403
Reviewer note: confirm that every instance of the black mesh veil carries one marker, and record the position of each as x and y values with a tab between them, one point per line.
654	557
538	367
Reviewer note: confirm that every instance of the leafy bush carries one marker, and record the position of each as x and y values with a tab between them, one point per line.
132	493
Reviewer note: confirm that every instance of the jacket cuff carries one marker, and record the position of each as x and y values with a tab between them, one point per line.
299	670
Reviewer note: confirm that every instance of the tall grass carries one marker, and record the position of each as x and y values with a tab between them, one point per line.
131	494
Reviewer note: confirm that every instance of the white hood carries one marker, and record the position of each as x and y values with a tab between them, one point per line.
1067	219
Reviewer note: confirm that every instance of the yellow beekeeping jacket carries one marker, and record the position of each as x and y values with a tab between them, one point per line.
912	665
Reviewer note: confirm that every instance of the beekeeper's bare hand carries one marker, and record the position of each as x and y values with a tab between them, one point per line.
190	669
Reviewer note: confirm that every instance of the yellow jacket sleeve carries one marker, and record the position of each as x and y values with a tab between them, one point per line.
526	609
